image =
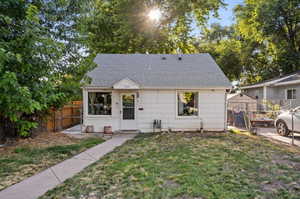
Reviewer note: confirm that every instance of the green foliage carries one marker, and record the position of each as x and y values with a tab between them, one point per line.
42	60
274	27
123	26
223	44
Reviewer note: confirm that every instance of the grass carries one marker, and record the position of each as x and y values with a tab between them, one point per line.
190	166
26	161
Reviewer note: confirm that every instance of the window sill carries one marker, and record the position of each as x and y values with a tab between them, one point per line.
187	117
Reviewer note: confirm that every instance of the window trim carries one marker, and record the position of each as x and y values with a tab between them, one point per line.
87	104
176	105
286	93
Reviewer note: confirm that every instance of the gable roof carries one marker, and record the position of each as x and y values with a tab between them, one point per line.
277	81
239	95
158	71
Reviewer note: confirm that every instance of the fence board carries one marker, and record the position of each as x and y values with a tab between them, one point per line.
64	118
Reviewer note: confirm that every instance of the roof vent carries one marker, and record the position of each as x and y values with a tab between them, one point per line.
163	58
180	58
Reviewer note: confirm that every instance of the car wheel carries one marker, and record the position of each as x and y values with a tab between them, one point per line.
282	128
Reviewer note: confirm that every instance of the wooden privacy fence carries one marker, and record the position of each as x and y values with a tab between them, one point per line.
66	117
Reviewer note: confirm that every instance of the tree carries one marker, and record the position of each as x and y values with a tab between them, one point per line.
275	26
226	48
39	60
123	26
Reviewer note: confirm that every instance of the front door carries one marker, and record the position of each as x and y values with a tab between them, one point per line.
128	111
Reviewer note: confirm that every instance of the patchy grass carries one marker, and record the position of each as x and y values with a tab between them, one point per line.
26	160
186	166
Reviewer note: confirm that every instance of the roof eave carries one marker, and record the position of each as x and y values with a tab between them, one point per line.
164	88
287	83
270	83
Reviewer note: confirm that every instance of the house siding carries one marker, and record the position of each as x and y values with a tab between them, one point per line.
253	92
277	94
98	122
161	104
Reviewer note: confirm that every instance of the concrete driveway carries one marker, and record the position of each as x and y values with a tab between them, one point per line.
271	133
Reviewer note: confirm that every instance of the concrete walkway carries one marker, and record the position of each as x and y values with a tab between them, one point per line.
37	185
271	133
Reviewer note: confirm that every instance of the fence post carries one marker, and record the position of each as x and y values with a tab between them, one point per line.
72	114
58	120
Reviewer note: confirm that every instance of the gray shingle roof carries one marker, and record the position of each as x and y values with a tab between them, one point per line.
158	71
286	78
292	78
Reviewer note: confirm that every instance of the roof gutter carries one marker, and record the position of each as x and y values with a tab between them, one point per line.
163	88
267	83
287	83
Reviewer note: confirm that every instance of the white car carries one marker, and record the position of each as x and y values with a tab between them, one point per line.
284	123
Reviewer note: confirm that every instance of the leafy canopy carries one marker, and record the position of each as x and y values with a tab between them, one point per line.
123	26
274	26
40	60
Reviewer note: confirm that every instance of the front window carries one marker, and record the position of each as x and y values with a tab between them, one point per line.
187	103
291	94
99	103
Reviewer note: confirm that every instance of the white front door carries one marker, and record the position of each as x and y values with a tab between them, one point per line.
128	111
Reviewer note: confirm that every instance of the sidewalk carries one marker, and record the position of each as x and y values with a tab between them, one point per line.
271	133
37	185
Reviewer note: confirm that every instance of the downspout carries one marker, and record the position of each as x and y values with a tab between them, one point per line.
225	107
225	111
265	97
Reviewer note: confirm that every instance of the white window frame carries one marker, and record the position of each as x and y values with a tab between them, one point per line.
176	105
87	103
286	93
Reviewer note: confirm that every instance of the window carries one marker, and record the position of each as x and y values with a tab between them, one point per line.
187	103
291	94
99	103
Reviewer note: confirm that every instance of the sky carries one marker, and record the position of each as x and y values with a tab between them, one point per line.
226	15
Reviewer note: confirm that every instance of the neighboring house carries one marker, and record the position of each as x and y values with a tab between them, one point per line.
130	91
284	90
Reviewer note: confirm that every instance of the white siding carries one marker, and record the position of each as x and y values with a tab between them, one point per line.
161	104
100	121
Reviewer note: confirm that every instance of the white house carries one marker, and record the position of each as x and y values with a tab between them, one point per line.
130	91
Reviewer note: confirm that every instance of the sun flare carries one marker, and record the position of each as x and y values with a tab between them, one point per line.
154	14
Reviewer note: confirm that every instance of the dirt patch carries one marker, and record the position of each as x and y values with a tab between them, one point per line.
171	184
273	187
187	197
188	134
44	139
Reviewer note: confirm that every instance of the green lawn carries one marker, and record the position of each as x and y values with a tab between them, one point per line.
25	161
190	166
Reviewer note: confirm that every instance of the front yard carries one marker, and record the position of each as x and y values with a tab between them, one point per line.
190	166
31	156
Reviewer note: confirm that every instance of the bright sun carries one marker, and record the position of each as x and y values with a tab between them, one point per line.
154	14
